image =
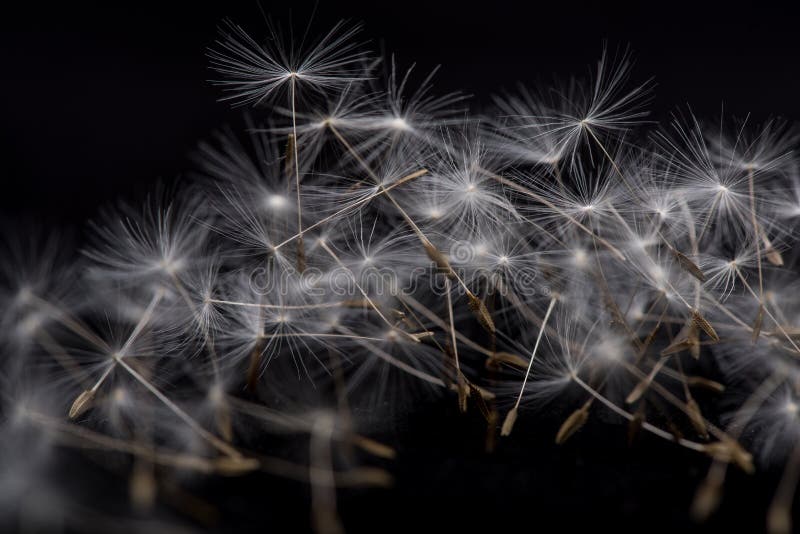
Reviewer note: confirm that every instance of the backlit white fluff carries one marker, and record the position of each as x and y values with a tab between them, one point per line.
371	244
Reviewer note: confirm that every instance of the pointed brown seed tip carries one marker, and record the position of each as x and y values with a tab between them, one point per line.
638	391
235	466
463	393
706	501
375	448
508	422
696	418
771	253
774	257
572	424
462	400
510	359
81	404
705	383
731	452
419	336
481	312
483	393
779	519
704	325
142	488
688	265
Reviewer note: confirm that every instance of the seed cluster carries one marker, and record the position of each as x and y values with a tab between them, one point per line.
368	243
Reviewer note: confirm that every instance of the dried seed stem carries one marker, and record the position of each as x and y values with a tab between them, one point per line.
460	380
693	445
213	440
296	160
539	198
352	206
511	417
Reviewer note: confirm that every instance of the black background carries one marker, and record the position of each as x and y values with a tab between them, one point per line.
98	104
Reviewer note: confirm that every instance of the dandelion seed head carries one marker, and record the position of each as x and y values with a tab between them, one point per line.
434	213
610	349
252	73
398	123
342	255
580	258
276	202
30	325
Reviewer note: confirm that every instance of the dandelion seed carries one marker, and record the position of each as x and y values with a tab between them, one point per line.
253	72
